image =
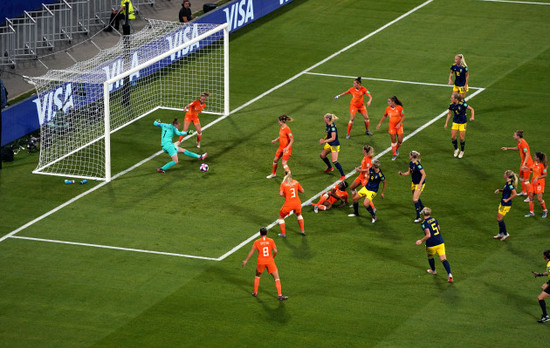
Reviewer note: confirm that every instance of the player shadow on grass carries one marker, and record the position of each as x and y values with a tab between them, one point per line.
524	304
300	250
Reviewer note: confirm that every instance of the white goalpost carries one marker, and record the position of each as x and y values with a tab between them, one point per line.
164	66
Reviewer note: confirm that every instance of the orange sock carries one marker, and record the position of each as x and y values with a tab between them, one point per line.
180	139
372	205
350	124
301	224
283	227
274	170
531	206
256	284
367	125
527	187
523	188
278	287
543	205
199	137
321	207
394	148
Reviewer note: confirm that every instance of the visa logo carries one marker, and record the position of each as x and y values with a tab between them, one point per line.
239	14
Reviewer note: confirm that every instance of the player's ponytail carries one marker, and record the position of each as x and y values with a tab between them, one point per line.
541	156
396	101
288	177
263	231
511	175
376	163
176	121
285	118
205	94
331	117
519	133
369	150
415	155
462	59
358	79
546	253
458	97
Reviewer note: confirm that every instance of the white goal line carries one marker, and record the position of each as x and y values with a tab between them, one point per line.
43	216
388	80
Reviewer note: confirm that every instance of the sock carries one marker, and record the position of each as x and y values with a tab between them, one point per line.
256	284
417	208
372	205
301	223
369	209
180	139
199	137
191	154
339	167
322	207
462	144
274	170
322	199
432	264
455	143
350	124
282	226
278	287
447	266
502	227
327	162
168	165
394	148
543	205
367	122
542	304
356	208
527	186
531	206
421	204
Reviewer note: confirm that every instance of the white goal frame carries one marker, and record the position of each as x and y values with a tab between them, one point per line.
107	85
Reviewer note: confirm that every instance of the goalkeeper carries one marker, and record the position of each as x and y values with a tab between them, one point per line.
168	132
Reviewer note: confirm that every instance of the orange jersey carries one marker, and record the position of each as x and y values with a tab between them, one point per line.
265	247
290	192
395	114
284	136
524	151
539	170
357	96
365	164
195	108
342	194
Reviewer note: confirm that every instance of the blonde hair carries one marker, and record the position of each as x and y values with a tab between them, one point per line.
376	163
331	117
288	177
205	94
511	175
369	150
462	59
415	155
426	211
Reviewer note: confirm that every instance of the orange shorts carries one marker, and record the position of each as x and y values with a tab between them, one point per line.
282	154
271	267
393	130
191	118
538	187
360	181
524	174
288	208
354	108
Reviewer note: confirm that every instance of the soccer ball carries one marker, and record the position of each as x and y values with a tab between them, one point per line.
204	167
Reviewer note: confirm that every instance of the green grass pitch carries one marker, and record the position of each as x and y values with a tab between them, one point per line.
350	283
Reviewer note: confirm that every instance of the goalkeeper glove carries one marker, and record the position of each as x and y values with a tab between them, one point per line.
190	132
158	121
336	97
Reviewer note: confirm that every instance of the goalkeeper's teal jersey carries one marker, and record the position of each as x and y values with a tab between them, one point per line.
168	132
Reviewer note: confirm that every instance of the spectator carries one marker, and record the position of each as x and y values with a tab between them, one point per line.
185	13
3	95
117	16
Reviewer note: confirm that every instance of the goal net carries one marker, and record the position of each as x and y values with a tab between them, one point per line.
164	66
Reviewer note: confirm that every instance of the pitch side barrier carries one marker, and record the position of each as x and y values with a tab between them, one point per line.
28	115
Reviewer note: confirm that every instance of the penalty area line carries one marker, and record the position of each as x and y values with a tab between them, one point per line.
518	2
388	80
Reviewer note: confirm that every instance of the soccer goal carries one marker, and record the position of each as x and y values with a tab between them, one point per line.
164	66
